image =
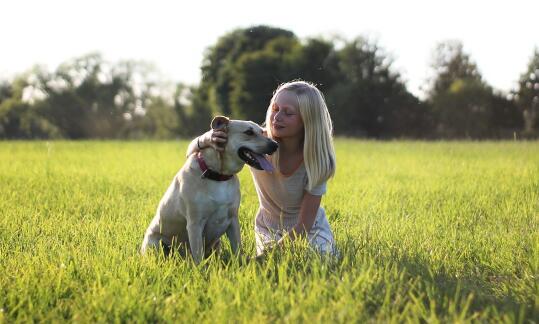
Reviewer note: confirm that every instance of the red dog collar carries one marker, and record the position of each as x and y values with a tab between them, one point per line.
208	173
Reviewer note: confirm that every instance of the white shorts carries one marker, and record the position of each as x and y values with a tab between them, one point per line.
320	236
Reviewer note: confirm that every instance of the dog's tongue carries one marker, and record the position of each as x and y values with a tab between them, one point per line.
264	163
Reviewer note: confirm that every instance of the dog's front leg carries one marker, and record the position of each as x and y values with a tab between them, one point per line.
196	241
233	233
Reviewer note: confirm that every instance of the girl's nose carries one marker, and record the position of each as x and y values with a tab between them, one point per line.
277	116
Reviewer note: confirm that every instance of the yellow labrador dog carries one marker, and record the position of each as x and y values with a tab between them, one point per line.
201	203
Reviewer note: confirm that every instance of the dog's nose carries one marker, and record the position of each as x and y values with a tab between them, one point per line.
273	146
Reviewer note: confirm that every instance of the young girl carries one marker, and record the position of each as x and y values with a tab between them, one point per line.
298	119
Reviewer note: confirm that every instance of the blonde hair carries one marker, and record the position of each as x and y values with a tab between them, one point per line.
318	150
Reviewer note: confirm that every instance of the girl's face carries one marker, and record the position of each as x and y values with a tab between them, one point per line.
285	119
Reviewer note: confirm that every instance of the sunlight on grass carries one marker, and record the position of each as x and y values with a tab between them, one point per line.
443	231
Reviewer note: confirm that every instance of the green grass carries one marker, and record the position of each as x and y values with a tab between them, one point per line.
441	231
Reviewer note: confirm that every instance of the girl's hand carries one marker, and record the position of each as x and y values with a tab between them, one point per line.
213	138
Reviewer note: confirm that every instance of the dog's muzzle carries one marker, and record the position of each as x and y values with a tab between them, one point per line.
257	160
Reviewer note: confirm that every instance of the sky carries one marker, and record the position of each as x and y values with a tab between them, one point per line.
500	36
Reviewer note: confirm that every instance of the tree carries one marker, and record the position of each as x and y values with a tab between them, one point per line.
464	109
506	118
82	98
192	107
20	119
316	61
257	74
368	98
451	63
528	95
159	121
6	91
463	104
88	97
364	95
220	63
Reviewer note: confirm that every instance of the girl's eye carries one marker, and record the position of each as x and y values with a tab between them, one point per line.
249	132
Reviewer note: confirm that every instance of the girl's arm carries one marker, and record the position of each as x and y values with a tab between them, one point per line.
307	216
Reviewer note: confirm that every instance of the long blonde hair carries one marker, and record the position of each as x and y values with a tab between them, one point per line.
318	150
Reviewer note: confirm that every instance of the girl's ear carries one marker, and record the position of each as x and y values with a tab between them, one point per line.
219	122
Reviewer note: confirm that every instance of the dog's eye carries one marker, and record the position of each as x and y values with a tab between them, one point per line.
249	132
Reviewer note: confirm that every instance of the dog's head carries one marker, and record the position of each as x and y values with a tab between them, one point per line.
246	142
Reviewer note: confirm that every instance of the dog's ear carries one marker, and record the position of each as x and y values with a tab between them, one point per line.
220	122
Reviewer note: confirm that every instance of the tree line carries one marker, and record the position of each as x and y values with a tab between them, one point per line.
89	97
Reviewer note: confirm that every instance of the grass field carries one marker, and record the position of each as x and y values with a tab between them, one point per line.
441	231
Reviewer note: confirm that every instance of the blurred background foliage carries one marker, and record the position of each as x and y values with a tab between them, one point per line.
90	97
